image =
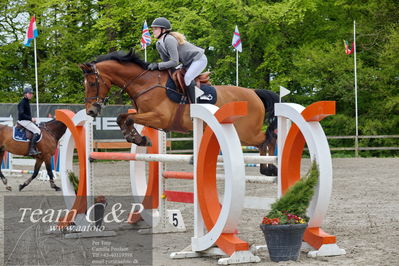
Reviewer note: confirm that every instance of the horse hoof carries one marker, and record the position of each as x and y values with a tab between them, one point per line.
21	187
270	170
53	185
9	188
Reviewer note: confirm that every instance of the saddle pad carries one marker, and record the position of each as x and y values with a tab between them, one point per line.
209	95
176	97
19	134
173	95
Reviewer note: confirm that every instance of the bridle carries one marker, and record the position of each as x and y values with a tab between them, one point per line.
101	101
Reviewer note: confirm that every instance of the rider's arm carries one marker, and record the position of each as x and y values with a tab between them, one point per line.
170	44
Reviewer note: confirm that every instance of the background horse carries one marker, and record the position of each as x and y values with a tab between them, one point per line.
52	131
147	92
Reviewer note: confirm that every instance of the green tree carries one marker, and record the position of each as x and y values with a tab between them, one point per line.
292	43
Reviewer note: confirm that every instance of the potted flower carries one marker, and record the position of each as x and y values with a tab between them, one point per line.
285	224
74	180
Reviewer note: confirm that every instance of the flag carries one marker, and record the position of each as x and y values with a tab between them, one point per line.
237	40
283	92
145	36
32	32
347	49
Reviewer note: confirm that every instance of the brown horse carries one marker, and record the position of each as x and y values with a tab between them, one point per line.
52	131
147	92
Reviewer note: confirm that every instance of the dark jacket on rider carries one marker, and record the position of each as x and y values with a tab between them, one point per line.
24	112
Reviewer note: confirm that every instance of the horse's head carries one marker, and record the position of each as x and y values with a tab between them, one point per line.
96	89
117	68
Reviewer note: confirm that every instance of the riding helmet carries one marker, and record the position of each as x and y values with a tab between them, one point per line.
162	23
28	89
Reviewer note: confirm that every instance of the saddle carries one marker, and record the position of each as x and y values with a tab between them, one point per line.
22	134
178	79
180	95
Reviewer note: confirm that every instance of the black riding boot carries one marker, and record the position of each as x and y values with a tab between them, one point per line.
191	91
32	145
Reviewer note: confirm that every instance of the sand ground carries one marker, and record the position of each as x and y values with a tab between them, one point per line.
363	213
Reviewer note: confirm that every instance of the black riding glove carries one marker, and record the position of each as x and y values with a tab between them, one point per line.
153	66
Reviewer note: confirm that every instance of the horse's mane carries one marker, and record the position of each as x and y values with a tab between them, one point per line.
50	123
122	57
56	127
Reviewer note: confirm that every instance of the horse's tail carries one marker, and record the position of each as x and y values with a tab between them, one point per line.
269	98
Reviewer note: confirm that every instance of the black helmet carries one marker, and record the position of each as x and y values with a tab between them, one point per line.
27	89
162	23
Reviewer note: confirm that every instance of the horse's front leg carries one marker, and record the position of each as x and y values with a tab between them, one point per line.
38	164
126	122
121	123
129	132
3	178
51	175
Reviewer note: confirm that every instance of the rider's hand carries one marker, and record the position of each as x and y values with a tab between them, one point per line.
33	120
153	66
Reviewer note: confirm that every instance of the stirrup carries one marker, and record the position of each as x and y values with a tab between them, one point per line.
34	153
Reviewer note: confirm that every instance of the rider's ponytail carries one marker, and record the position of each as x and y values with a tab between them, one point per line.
181	39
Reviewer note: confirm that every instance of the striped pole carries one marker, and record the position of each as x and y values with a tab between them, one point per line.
170	157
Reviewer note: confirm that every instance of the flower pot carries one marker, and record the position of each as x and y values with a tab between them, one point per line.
284	240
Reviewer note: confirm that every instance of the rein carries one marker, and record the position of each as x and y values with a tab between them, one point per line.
138	94
44	126
131	80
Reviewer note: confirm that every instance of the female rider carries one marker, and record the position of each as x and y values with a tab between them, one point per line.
174	49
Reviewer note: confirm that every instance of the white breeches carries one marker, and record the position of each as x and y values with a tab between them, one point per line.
195	69
29	125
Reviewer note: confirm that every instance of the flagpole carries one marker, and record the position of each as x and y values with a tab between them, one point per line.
236	67
145	53
37	85
356	109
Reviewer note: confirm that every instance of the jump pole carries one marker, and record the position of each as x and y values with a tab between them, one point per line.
292	140
76	137
311	133
324	243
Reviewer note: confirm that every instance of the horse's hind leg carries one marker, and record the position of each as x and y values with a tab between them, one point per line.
3	178
51	175
35	172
